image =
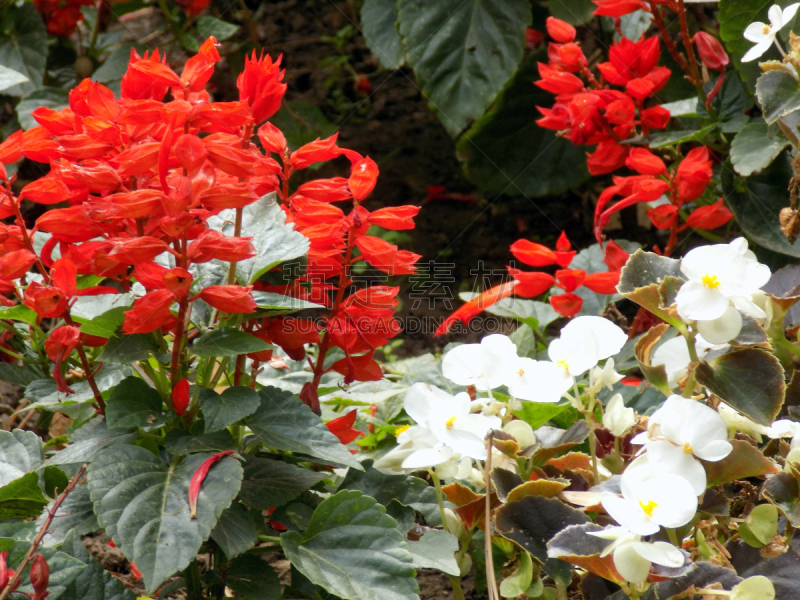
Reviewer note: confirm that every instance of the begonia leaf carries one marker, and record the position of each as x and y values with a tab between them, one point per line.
657	375
23	47
379	26
435	550
778	94
227	341
253	578
574	545
783	490
754	147
132	403
20	453
641	278
520	580
745	460
87	441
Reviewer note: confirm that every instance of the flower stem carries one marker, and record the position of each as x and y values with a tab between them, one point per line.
690	337
589	416
673	537
454	581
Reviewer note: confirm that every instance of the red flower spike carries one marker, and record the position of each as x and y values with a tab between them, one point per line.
533	254
558	82
377	252
710	217
530	285
363	177
477	305
40	577
46	190
260	86
150	312
229	298
655	117
567	305
180	397
200	67
199	476
316	151
570	279
561	31
178	281
710	50
618	8
607	157
212	244
602	283
694	174
15	264
11	148
190	152
59	345
158	73
562	243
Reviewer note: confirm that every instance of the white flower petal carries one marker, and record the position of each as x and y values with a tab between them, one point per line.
617	418
662	553
427	457
630	564
788	14
757	50
775	16
628	515
755	32
722	329
714	450
674	502
417	402
697	301
547	383
668	459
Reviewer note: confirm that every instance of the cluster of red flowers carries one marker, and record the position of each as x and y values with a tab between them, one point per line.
142	175
680	185
595	113
61	16
526	284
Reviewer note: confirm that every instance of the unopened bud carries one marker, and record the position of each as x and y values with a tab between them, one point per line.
710	50
40	577
561	31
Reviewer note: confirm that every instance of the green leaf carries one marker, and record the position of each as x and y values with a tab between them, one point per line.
505	151
22	376
143	504
532	521
127	349
405	489
749	379
20	453
537	414
253	578
520	580
760	525
436	550
89	440
305	125
574	12
20	312
379	27
223	410
93	583
114	67
756	202
237	529
23	47
222	30
353	548
181	442
745	460
275	241
673	138
105	325
734	17
132	403
283	422
63	567
783	491
227	341
10	77
272	483
55	98
22	498
754	149
463	52
47	397
76	514
778	94
285	304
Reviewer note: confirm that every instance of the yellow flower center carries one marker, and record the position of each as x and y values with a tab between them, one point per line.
401	429
563	364
521	372
711	281
767	29
648	507
450	422
687	448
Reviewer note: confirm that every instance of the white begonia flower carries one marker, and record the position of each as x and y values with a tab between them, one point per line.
651	500
736	421
449	419
583	343
604	377
633	558
674	355
417	448
722	329
784	428
679	433
483	365
617	418
521	431
764	35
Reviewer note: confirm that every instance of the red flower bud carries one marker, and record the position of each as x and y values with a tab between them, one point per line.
199	476
180	397
363	177
40	577
229	298
561	31
710	50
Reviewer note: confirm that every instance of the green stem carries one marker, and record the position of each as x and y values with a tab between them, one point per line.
673	537
589	416
194	585
454	581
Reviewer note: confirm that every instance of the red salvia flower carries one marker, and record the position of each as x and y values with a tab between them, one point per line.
342	427
196	483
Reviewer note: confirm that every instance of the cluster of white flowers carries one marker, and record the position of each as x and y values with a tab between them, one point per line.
722	280
764	35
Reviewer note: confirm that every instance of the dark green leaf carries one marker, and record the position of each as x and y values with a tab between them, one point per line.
756	202
534	520
89	440
703	574
505	151
783	571
223	410
23	47
75	513
352	548
672	138
93	583
778	94
275	241
463	52
208	26
574	12
181	442
271	483
107	324
237	529
132	403
734	17
753	149
143	504
19	375
50	97
127	349
253	578
10	78
435	550
22	498
641	280
744	461
63	567
47	397
283	422
20	453
379	26
114	67
749	379
783	491
227	341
